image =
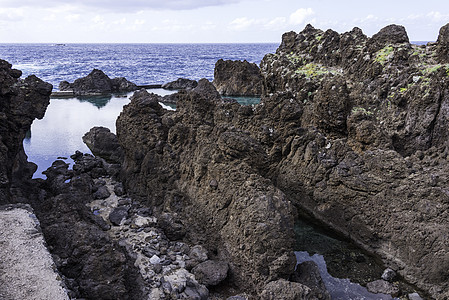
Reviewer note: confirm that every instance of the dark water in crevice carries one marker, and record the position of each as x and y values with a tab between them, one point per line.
344	267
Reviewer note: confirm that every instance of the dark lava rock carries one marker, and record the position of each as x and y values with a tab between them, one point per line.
391	34
97	83
21	101
443	44
118	215
307	273
180	84
101	193
211	272
347	127
103	143
237	78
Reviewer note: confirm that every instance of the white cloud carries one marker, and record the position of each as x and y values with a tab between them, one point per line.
301	15
11	14
242	23
276	23
72	17
120	5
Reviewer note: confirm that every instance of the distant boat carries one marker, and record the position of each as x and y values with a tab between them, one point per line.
59	44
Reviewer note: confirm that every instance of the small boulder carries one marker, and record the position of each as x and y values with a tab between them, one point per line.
388	275
383	287
286	290
118	215
211	272
103	143
101	193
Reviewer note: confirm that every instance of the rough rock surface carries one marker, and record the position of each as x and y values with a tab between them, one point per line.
97	83
357	175
350	130
93	265
21	101
237	78
180	84
103	143
171	158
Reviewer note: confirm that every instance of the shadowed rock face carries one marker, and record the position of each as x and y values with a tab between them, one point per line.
237	78
21	101
349	130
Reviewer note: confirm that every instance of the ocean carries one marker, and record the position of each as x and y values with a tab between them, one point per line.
139	63
59	134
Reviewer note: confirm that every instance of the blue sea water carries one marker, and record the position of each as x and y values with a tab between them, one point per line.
139	63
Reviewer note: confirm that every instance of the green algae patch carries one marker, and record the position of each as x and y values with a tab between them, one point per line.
311	70
384	54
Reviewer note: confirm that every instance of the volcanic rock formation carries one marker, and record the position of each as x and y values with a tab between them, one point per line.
97	83
351	130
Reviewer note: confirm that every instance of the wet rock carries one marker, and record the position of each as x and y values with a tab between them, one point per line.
307	273
180	83
211	272
237	78
118	215
172	226
384	287
103	143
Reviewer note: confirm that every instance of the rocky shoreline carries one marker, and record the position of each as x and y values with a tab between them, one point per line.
201	202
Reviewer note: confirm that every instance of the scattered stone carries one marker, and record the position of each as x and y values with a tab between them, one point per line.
118	215
289	290
211	272
101	193
388	275
155	260
383	287
414	296
198	253
118	189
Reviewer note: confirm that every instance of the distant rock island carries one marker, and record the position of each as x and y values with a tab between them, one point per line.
201	202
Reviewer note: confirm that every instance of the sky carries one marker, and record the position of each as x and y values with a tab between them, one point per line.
208	21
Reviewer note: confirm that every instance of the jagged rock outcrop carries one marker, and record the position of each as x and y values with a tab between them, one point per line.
357	176
237	78
97	83
350	130
180	84
21	101
197	167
